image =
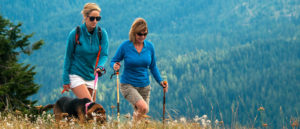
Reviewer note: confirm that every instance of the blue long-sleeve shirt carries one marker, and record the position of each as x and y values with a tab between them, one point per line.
136	65
83	61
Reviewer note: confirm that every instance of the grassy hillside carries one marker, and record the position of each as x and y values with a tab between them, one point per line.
15	120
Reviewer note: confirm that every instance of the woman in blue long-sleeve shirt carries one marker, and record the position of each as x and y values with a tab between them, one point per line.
139	56
80	59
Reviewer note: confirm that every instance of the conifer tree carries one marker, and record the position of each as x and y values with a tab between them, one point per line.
16	79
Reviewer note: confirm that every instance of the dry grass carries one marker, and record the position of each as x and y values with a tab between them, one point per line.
16	120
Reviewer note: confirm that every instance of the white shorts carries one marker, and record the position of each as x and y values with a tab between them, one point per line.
77	81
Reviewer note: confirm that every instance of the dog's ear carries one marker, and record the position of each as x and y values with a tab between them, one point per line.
96	107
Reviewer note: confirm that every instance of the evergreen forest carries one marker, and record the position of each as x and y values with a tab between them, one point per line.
224	59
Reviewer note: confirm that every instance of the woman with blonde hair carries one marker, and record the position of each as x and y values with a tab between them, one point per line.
85	44
139	56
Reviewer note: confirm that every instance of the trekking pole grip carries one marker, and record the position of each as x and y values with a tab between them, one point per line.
165	83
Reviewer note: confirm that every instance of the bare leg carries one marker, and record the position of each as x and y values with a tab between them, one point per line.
142	109
91	93
82	92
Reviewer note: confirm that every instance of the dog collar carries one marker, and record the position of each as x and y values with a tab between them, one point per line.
86	107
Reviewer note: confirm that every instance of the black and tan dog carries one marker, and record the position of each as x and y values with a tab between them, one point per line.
83	109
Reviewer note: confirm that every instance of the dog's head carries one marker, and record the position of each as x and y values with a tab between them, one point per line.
96	111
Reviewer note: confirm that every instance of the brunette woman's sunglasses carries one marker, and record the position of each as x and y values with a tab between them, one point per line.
93	18
141	34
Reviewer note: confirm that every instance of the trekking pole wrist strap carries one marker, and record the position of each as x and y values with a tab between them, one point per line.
102	70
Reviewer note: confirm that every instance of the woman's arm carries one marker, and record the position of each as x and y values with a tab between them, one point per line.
68	55
153	68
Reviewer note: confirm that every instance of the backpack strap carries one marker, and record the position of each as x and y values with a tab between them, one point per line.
99	34
100	38
77	35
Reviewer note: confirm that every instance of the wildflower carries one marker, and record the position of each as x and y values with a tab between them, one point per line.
127	115
49	116
9	125
216	121
26	117
183	120
203	122
66	119
109	117
39	120
208	122
72	123
172	123
44	113
204	116
196	119
261	109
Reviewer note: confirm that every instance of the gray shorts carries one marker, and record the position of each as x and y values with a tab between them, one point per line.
134	94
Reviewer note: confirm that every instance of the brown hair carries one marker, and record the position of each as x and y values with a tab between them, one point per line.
139	25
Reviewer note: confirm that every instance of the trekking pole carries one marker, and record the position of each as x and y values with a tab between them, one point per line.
118	88
164	104
118	96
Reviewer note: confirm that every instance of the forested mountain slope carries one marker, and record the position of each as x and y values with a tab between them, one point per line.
242	79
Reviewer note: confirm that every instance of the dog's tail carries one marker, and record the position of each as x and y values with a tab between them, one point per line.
47	107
